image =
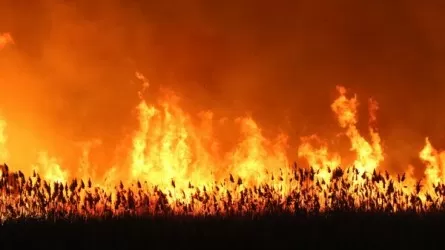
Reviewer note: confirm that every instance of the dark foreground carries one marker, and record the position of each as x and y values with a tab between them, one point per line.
361	231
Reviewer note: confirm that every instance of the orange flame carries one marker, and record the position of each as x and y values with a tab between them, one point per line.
435	163
369	155
319	157
52	171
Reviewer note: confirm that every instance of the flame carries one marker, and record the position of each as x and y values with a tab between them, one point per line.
435	163
369	155
319	157
255	157
51	170
169	147
86	169
176	162
181	163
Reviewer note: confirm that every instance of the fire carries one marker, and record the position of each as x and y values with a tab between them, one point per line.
319	157
169	147
177	165
86	169
369	155
51	170
255	156
435	163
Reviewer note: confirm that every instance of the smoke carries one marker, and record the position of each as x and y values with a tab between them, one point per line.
70	75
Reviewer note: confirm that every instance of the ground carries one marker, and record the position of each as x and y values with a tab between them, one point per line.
361	231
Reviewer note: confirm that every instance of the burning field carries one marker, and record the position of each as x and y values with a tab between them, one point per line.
176	168
180	171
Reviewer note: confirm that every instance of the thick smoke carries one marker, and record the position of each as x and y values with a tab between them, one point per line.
70	75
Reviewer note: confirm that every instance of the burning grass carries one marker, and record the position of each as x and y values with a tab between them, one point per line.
176	169
78	215
347	191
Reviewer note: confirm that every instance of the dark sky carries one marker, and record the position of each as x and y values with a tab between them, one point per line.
69	74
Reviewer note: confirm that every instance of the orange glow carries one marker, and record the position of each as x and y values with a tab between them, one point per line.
5	39
3	151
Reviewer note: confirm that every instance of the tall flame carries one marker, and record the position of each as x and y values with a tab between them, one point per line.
369	155
435	163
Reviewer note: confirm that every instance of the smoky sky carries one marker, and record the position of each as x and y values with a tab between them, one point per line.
70	74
